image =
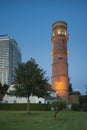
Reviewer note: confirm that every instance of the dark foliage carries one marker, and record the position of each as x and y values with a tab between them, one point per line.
83	99
30	80
76	107
3	89
23	106
57	106
70	87
84	107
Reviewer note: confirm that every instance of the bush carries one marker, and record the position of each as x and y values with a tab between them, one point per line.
84	106
83	99
76	107
57	106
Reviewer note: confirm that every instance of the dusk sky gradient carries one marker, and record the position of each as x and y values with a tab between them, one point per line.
29	22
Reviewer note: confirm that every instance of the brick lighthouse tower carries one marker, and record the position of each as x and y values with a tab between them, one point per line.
59	59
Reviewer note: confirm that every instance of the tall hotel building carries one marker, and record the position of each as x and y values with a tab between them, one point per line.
10	56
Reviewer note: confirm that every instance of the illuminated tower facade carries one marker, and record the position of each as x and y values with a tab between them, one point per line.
59	59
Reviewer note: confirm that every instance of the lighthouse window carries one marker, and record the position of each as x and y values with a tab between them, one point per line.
60	58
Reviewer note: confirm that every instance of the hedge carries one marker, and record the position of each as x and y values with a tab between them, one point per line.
84	107
76	107
23	106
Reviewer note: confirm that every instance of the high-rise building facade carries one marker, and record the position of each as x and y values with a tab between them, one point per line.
10	56
60	79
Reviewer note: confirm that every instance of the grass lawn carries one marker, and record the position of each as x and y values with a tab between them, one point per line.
42	120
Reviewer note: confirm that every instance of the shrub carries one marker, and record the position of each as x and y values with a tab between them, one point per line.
83	99
84	106
76	107
57	106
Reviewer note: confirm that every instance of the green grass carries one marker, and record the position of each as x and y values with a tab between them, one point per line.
42	120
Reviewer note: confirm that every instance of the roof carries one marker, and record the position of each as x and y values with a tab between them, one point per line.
60	22
75	93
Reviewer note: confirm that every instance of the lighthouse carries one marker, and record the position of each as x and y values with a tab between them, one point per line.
60	79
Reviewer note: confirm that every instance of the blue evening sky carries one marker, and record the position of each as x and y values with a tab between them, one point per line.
30	23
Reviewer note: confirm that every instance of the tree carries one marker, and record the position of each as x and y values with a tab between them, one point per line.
70	87
29	80
3	89
1	96
58	105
